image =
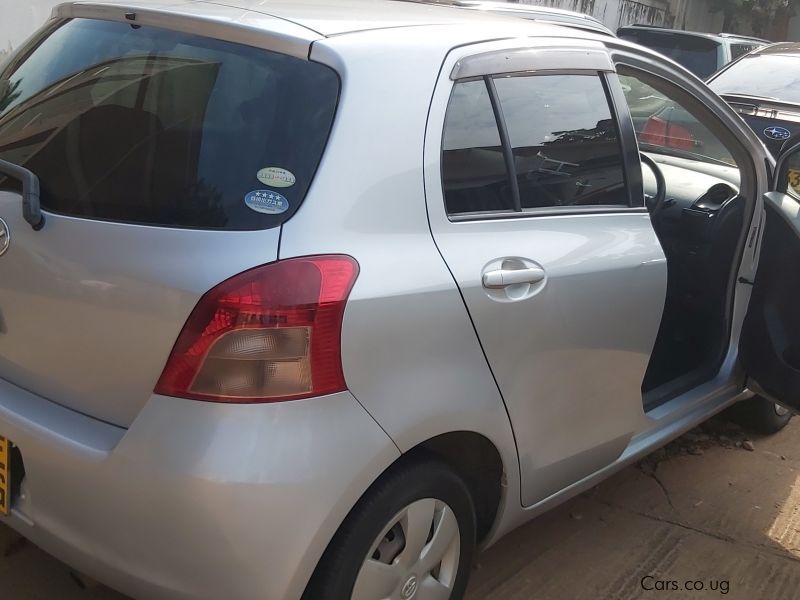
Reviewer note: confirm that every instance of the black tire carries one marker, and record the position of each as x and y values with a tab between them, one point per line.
400	487
759	415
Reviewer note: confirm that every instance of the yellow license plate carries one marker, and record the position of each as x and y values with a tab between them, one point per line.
5	475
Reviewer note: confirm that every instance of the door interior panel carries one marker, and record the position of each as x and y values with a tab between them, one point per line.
770	345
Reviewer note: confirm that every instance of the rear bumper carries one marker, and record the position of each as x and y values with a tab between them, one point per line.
195	500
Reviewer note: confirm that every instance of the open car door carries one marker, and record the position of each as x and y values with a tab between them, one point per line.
770	344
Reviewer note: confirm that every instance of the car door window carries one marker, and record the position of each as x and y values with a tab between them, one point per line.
564	139
474	173
516	143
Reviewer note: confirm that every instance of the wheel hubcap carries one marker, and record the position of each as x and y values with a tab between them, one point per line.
415	557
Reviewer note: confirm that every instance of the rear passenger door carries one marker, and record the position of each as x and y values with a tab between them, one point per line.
535	202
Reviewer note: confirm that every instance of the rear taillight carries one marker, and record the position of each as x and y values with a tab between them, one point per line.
660	132
266	335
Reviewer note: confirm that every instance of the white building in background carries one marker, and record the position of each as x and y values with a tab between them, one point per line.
692	15
695	15
20	18
681	14
614	13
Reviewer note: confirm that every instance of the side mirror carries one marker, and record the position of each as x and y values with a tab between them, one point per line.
31	208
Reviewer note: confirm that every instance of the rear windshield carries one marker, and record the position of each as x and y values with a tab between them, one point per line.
767	76
699	55
138	124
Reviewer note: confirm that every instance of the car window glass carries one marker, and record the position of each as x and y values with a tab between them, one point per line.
474	173
565	142
698	54
665	126
150	126
738	50
768	76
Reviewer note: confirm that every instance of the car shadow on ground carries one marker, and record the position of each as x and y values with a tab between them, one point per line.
710	509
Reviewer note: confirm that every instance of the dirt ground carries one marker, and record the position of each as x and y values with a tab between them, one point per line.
715	509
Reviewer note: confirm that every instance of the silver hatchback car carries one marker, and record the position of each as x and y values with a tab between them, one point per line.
304	299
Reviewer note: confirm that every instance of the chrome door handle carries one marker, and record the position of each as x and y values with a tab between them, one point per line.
495	280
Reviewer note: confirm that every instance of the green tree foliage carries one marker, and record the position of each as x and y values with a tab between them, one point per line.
8	93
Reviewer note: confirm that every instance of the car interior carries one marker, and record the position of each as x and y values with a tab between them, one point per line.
692	189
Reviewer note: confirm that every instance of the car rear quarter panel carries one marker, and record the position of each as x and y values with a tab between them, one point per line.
409	351
196	499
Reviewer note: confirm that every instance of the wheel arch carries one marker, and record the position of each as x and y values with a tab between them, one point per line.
472	456
479	463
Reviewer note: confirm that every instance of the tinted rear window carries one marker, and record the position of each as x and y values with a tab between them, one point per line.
761	75
699	55
144	125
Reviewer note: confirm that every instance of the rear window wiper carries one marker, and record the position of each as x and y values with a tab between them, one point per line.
31	208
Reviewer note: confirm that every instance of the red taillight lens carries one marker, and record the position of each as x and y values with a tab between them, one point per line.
266	335
658	132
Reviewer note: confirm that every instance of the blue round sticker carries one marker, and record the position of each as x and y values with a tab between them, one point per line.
266	202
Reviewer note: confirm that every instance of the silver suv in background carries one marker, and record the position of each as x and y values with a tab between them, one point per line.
702	53
315	299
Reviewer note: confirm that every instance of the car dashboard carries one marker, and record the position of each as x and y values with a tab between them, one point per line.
697	194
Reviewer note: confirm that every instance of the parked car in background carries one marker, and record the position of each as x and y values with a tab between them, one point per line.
317	299
763	88
542	14
702	53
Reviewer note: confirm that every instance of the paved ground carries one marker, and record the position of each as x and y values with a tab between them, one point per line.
705	510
